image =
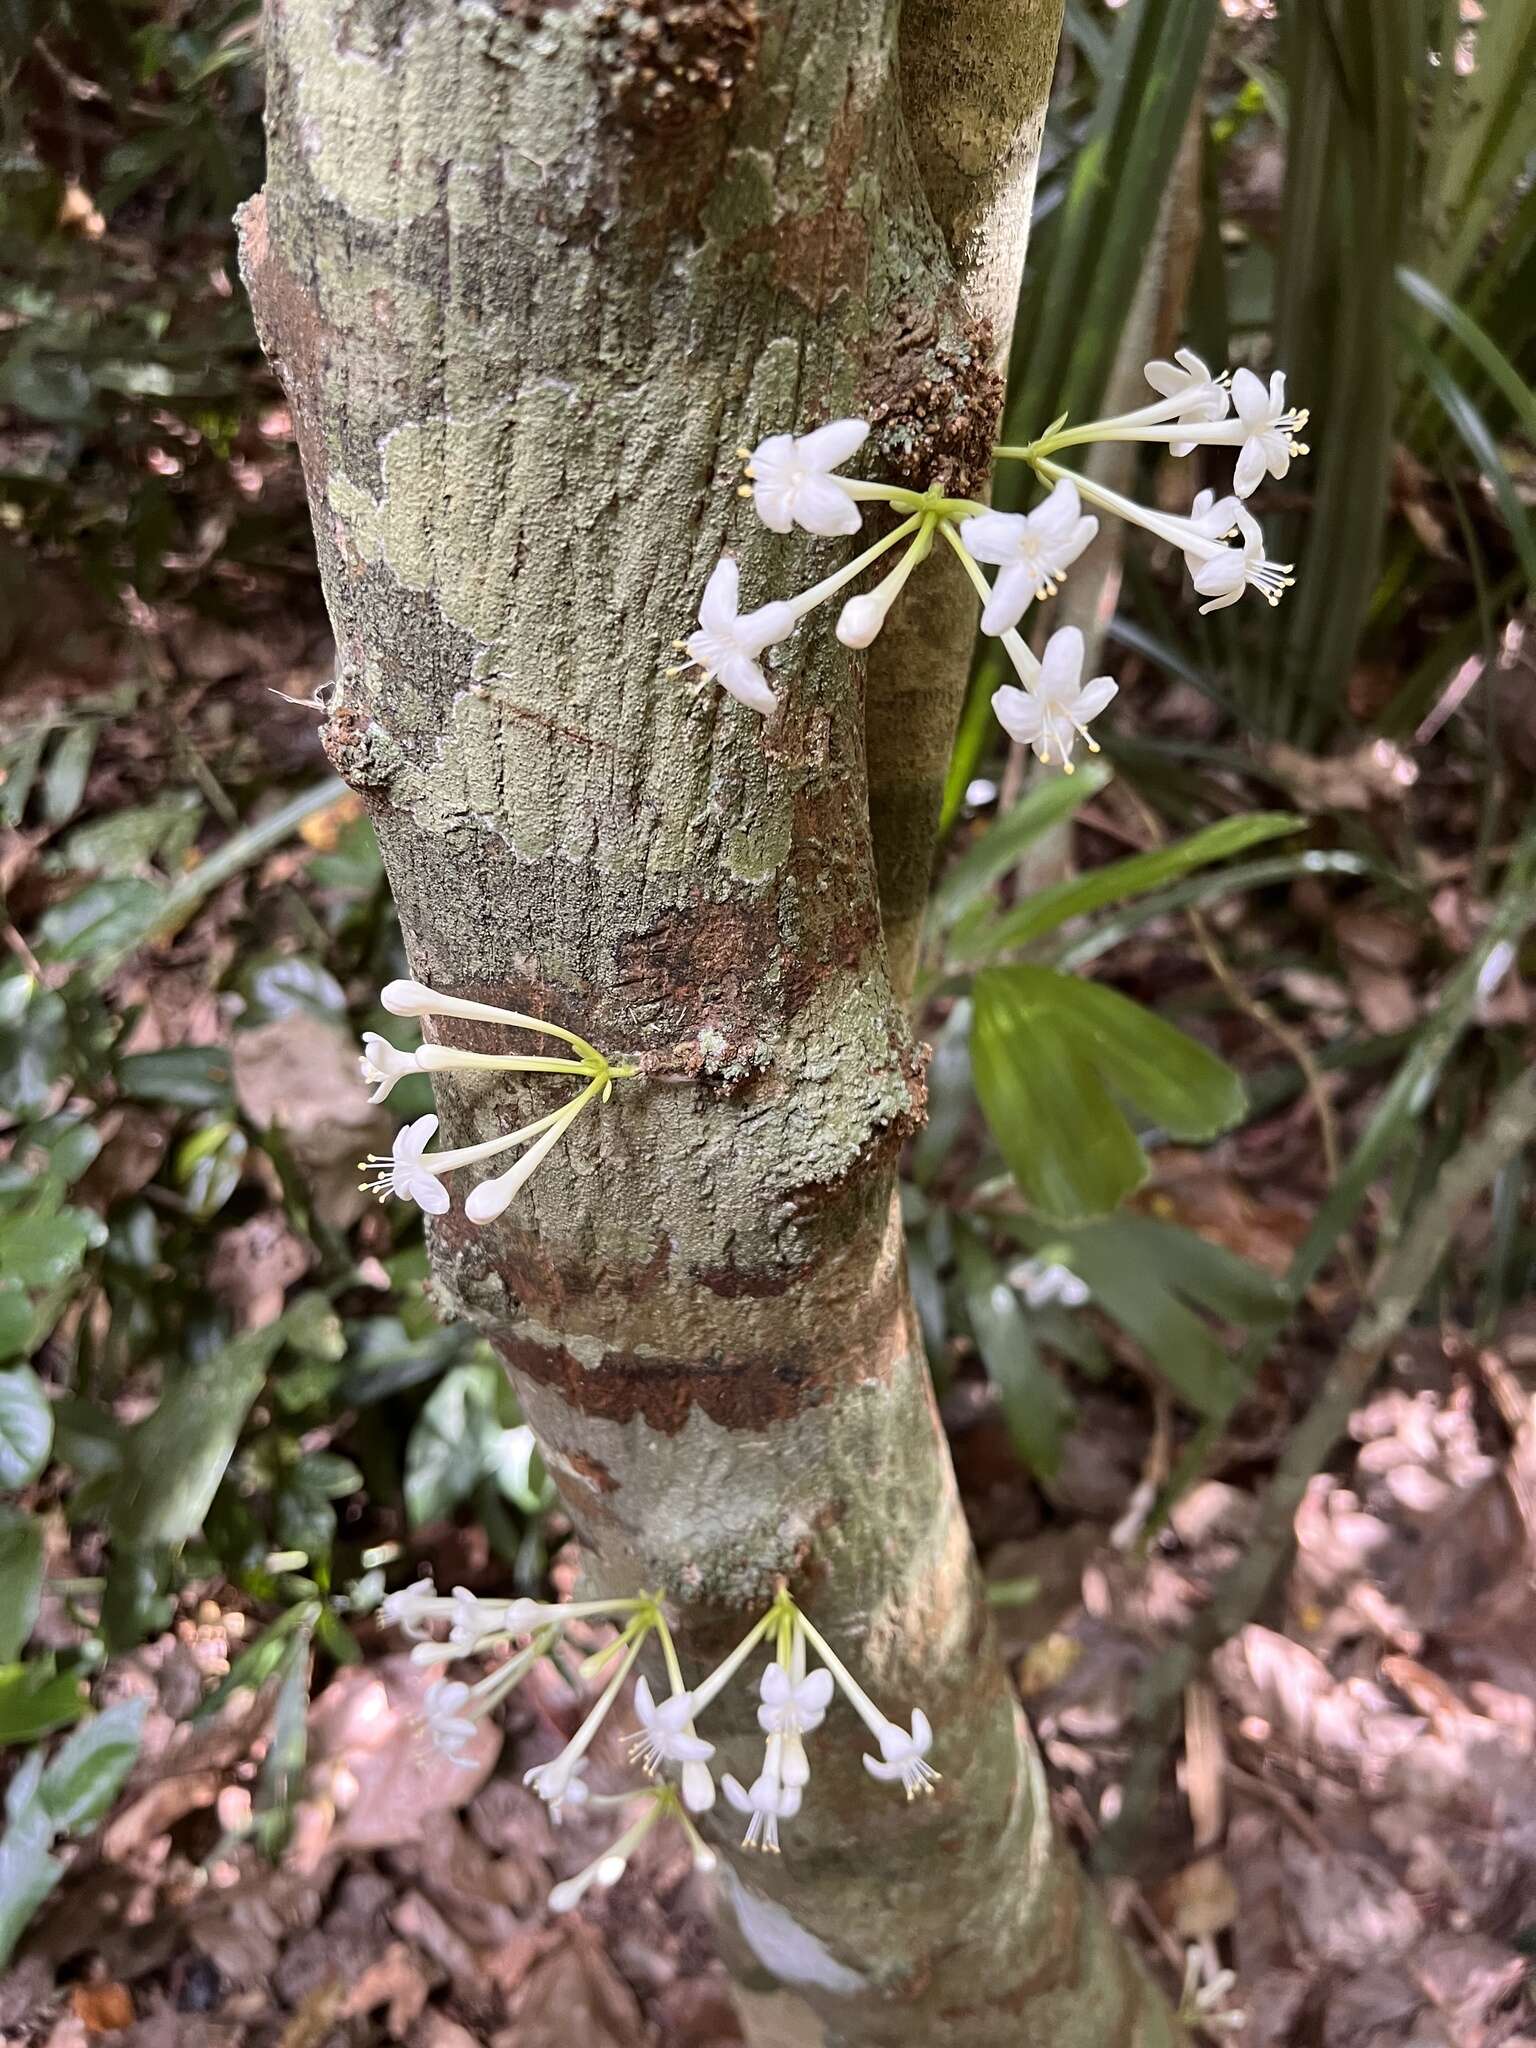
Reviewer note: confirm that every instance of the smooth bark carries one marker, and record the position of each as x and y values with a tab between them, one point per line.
529	276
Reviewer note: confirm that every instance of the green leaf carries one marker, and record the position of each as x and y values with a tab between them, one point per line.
40	1251
1069	1148
87	1773
1168	1076
1477	342
26	1427
1051	802
1155	1288
173	1461
1036	1407
104	918
190	1076
64	778
27	1875
36	1698
21	1579
33	1045
1050	1054
17	1321
1474	430
1116	882
457	1440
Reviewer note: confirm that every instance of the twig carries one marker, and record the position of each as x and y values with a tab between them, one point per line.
1391	1296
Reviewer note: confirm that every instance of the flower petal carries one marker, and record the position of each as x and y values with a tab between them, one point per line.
717	610
1251	465
775	1686
993	536
1093	697
645	1705
1250	400
427	1192
765	627
746	682
411	1140
1012	595
734	1793
878	1768
829	446
1061	664
814	1692
823	507
775	505
1054	518
1017	713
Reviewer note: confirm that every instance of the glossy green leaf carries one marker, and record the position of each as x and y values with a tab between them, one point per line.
37	1698
1036	1406
995	851
86	1774
1116	882
21	1579
26	1428
1469	423
27	1875
1066	1143
107	918
458	1439
189	1076
174	1459
1169	1077
1479	344
1054	1057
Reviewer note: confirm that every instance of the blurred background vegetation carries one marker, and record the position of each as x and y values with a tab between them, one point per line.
227	1407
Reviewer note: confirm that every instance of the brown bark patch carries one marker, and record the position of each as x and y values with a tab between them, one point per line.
739	1392
292	332
593	1470
670	64
930	393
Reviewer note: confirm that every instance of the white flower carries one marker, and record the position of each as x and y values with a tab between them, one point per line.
405	1173
449	1728
1032	551
789	1708
1268	430
904	1755
409	999
860	620
606	1872
410	1608
1202	397
698	1791
1213	519
384	1064
1057	705
560	1783
666	1732
766	1802
1045	1283
793	484
728	642
1224	575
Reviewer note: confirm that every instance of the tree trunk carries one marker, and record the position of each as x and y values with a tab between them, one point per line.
529	274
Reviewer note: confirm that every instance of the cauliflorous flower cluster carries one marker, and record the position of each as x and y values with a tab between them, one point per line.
413	1174
794	481
793	1699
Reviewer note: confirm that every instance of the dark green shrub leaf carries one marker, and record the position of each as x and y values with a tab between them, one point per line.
26	1427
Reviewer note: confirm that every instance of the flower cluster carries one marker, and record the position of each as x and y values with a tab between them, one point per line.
794	481
413	1174
793	1700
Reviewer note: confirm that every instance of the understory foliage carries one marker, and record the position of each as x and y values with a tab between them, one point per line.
221	1377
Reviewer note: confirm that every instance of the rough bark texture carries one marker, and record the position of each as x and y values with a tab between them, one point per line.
529	274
